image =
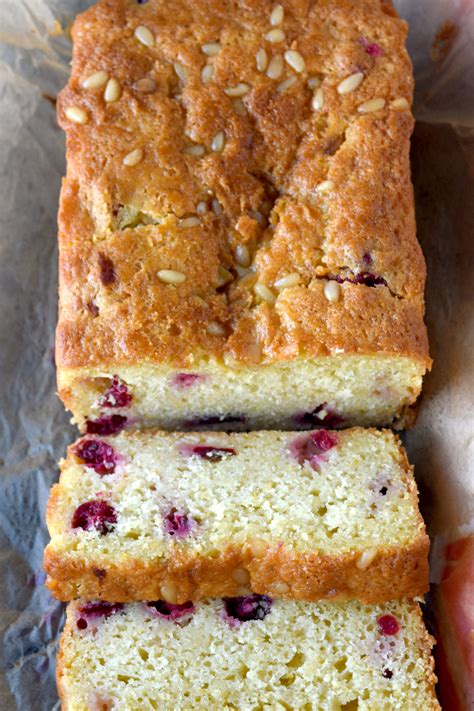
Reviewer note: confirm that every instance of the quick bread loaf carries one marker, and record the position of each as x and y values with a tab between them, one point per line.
245	653
238	252
237	235
147	515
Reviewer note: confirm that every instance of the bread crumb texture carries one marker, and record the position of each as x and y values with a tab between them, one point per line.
308	515
314	656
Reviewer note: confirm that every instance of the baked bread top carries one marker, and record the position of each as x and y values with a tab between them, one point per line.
217	148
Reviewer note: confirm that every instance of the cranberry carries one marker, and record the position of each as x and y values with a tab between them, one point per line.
388	625
178	524
107	271
169	611
185	380
373	49
249	607
312	419
367	259
100	608
97	609
212	454
117	395
95	515
92	308
98	455
387	674
311	447
106	425
366	278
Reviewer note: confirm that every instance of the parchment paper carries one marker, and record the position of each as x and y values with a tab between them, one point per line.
34	428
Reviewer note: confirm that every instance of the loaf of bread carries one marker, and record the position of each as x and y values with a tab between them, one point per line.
237	235
245	653
324	514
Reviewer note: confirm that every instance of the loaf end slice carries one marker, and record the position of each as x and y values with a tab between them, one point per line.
236	229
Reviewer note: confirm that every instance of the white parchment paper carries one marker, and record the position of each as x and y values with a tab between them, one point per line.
34	428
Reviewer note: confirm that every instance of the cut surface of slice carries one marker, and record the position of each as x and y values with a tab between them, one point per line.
309	515
332	391
247	654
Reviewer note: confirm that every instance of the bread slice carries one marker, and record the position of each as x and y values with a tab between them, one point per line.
236	229
246	654
323	514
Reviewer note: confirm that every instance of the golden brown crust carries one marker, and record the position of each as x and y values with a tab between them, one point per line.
427	643
274	158
395	573
303	322
68	631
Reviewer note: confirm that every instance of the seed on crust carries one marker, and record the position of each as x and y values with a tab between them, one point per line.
368	107
242	255
146	85
218	142
134	157
287	281
112	92
295	60
237	90
95	81
286	84
332	291
275	36
190	221
170	276
400	104
317	102
264	293
76	114
207	73
366	558
144	35
280	588
277	15
350	83
275	68
194	150
180	71
325	186
169	593
211	49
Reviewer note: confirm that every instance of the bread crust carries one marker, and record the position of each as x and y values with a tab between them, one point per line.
395	573
67	632
274	158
